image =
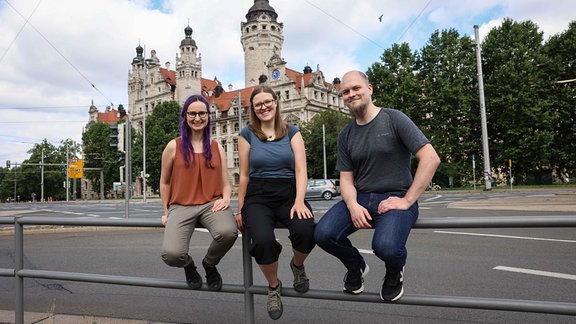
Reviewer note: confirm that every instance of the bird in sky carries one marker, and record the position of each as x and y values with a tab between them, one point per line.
380	18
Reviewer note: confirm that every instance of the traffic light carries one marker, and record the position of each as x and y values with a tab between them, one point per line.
114	136
7	163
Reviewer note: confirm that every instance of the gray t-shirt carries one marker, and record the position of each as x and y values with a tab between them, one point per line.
271	159
379	152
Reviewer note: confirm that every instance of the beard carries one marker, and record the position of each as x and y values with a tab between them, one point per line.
359	111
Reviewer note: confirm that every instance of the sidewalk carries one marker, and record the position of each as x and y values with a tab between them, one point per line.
562	201
8	317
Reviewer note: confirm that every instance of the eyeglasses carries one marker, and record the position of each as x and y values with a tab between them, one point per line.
266	103
193	114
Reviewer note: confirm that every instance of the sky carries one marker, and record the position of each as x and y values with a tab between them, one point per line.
57	57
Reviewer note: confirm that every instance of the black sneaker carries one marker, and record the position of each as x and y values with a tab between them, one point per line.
392	287
354	279
213	278
193	278
274	304
301	282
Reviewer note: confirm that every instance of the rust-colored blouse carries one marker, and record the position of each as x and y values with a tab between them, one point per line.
196	184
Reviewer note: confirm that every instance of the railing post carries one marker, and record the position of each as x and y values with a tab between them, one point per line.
248	279
19	265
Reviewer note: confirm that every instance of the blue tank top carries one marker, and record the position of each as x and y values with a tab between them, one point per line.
271	159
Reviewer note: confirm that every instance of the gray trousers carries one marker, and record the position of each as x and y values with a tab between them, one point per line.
180	226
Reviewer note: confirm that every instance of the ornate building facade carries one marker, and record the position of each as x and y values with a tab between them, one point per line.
303	95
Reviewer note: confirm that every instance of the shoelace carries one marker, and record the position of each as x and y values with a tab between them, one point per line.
354	275
299	274
211	273
274	299
392	280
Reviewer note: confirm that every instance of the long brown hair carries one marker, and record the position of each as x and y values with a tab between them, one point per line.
280	127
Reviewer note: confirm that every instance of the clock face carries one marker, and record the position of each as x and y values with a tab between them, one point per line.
275	74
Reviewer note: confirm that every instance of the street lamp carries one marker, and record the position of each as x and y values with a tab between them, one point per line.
42	179
145	63
487	172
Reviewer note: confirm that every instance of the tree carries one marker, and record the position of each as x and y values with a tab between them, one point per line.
161	127
99	153
54	172
518	99
561	71
333	121
394	82
25	180
5	177
448	111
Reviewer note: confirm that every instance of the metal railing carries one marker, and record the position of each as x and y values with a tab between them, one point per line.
249	289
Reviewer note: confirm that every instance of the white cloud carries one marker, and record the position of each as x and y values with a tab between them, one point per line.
84	43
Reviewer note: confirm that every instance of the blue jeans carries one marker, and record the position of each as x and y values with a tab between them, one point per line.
391	231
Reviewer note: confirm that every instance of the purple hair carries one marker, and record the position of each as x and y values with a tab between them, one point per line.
185	133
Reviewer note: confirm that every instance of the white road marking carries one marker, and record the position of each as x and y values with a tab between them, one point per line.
537	272
433	198
507	236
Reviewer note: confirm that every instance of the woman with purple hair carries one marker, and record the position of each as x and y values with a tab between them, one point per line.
195	188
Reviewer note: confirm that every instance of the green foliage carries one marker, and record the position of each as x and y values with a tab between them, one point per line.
54	170
561	71
99	154
518	99
25	181
161	127
394	83
449	103
333	122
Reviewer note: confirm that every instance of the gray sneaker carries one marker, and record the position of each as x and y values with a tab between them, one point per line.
274	304
301	284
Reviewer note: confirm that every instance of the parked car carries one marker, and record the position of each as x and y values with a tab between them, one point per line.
322	188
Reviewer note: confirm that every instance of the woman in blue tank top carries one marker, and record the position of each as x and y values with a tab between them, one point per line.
273	178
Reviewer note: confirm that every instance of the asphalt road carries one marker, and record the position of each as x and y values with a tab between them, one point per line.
487	263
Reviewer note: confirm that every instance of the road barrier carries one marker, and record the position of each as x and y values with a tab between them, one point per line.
249	289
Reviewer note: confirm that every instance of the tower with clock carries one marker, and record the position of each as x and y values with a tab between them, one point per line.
262	38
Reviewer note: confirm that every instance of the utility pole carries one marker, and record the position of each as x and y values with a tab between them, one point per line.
487	169
144	129
128	164
67	175
15	187
324	150
239	109
42	179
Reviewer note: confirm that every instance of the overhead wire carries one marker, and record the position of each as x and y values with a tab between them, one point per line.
48	107
19	31
346	25
364	36
60	53
413	21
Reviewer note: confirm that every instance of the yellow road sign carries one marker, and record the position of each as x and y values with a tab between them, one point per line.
76	168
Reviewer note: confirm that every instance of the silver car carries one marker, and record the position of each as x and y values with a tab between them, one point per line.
322	188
